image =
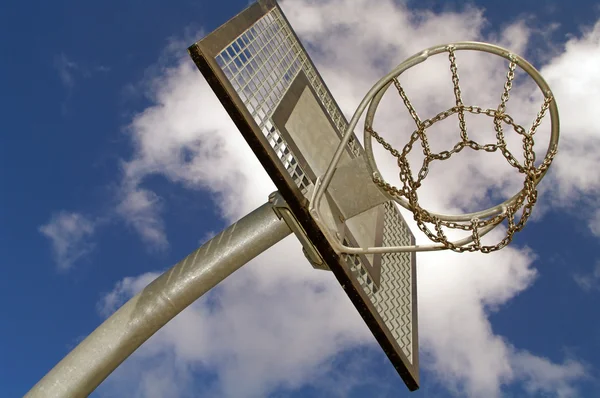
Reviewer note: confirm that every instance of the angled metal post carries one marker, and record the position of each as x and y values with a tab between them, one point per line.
96	357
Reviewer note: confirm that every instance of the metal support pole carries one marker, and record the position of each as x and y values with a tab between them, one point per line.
84	368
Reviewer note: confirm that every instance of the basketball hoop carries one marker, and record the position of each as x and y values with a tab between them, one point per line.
477	223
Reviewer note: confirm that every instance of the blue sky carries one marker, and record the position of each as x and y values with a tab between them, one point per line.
88	199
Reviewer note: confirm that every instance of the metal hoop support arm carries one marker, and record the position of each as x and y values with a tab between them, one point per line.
96	357
340	248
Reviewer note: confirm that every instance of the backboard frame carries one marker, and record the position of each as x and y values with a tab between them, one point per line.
204	55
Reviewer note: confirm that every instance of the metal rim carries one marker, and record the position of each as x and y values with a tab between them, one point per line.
376	93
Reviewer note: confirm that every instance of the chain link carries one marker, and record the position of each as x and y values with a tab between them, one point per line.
457	94
407	103
524	201
510	76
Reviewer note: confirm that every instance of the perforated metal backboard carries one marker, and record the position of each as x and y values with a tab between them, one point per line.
268	84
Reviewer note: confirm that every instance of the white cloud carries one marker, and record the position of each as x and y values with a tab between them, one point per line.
542	376
277	323
576	84
140	208
69	71
457	292
187	137
594	223
589	281
65	68
70	235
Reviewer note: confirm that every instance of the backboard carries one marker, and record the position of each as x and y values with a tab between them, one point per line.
271	89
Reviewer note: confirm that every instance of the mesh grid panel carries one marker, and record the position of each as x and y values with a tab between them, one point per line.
261	65
393	300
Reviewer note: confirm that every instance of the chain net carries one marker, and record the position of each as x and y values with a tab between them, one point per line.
524	200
